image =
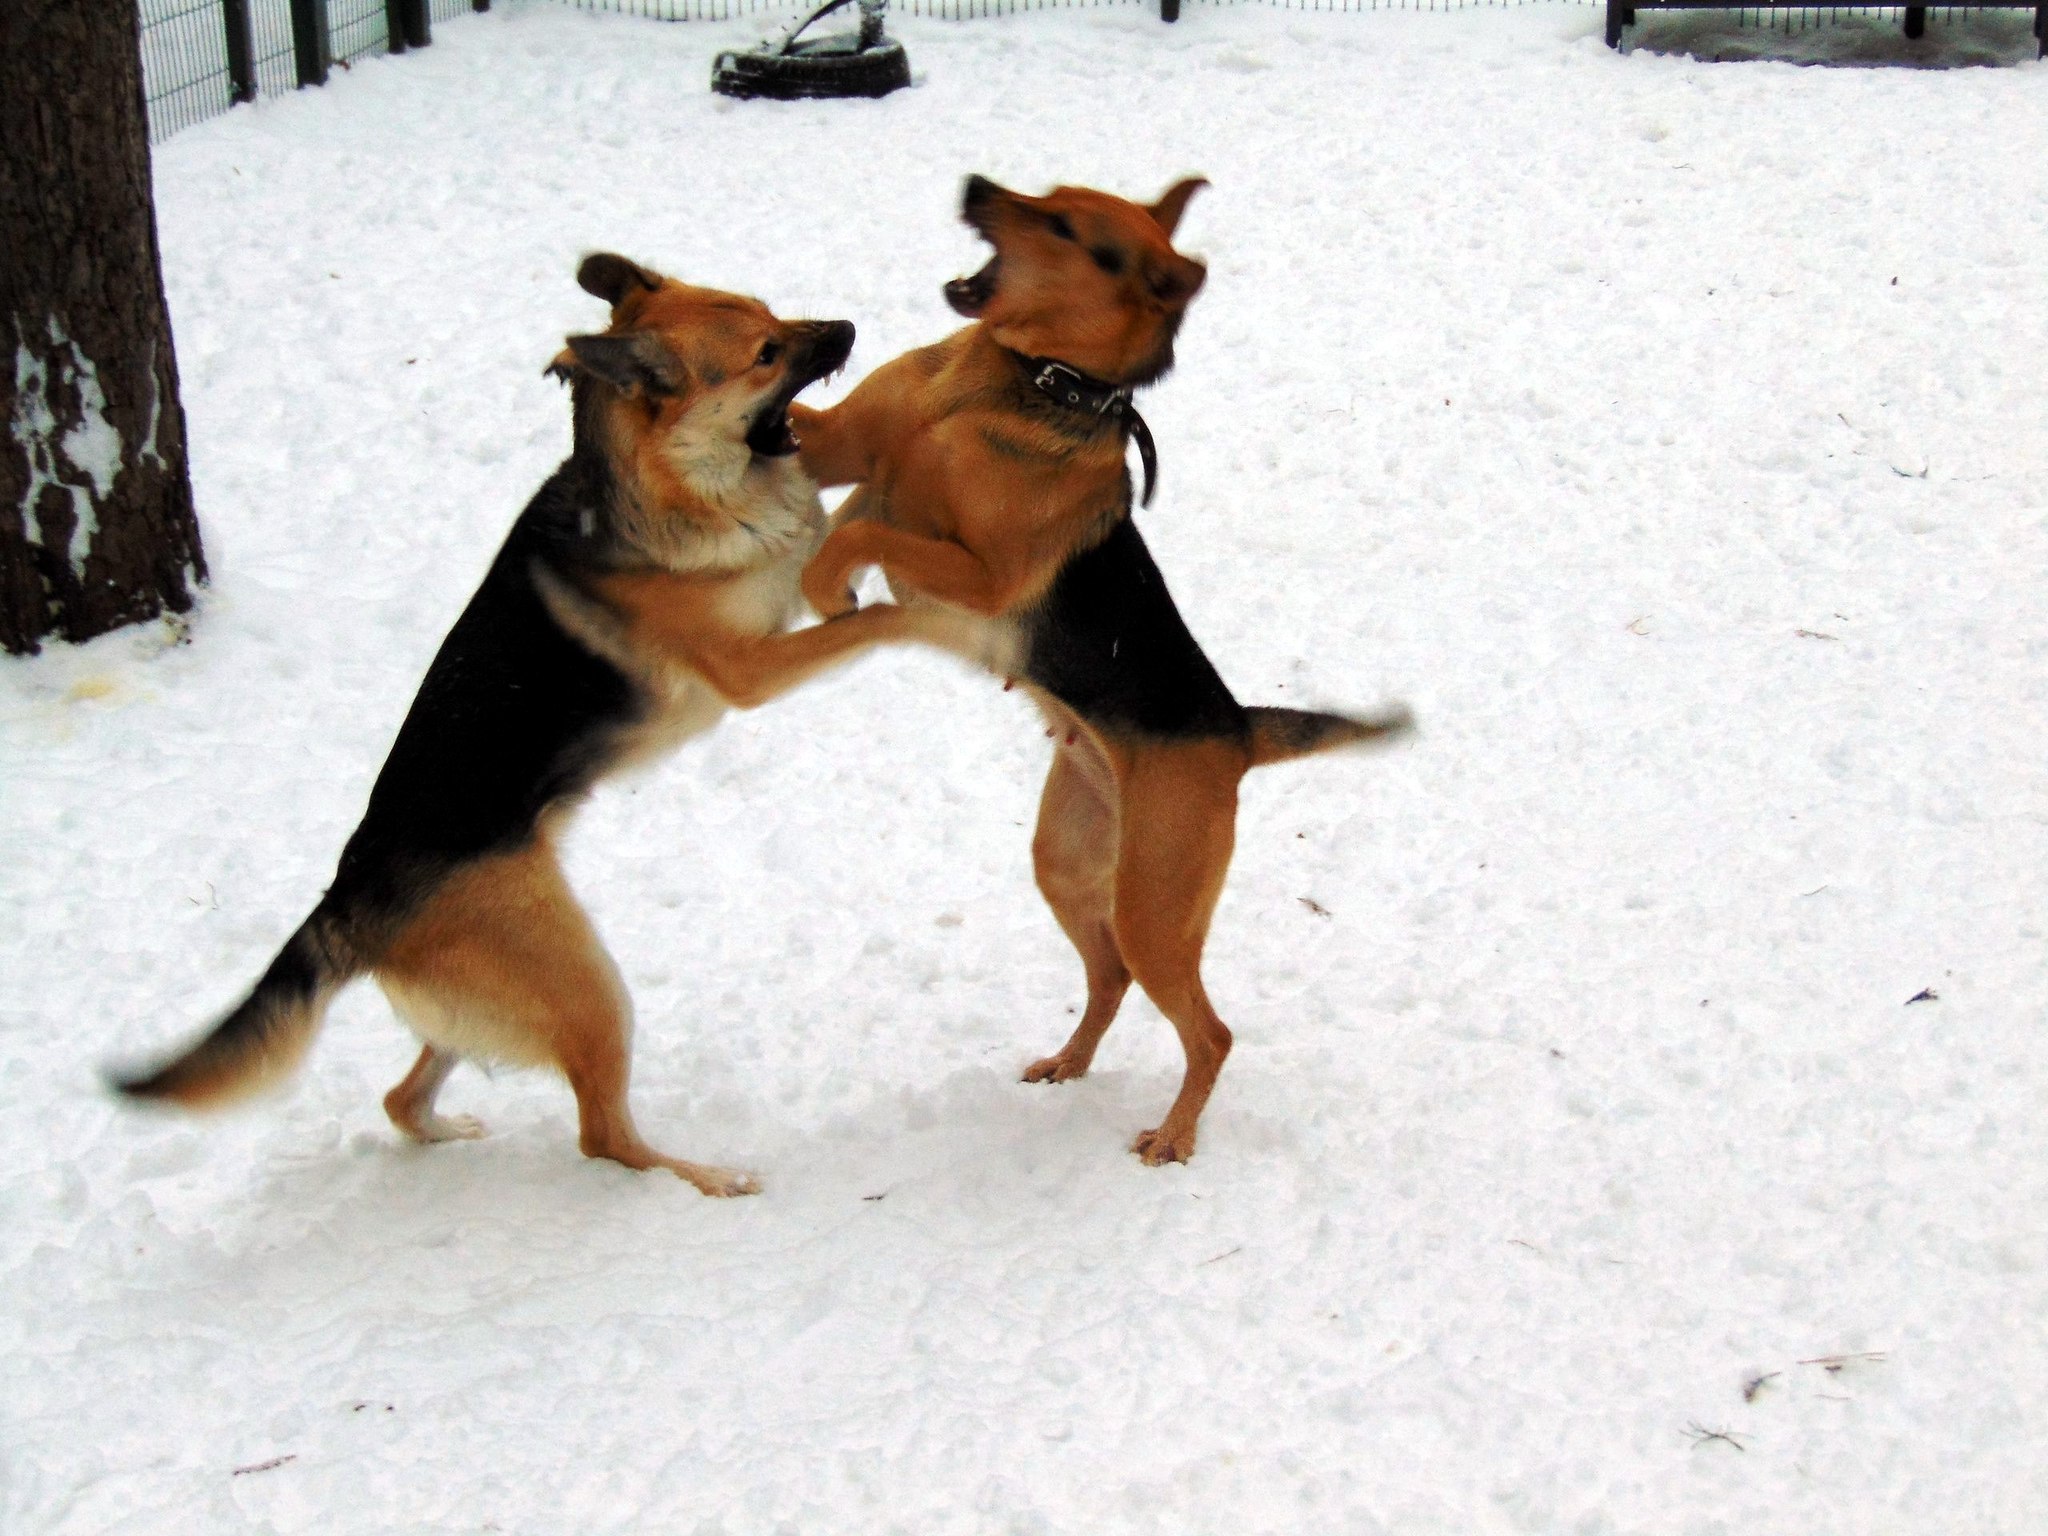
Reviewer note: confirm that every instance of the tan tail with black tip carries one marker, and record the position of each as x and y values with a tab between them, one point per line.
266	1036
1281	734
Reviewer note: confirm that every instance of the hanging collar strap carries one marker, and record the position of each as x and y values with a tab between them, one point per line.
1076	391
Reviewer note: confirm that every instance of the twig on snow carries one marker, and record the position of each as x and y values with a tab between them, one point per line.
1313	905
263	1466
1226	1253
1833	1364
1756	1384
1924	995
1701	1435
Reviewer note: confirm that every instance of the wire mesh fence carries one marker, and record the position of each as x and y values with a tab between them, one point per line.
274	65
972	10
1799	17
969	10
184	63
200	57
357	29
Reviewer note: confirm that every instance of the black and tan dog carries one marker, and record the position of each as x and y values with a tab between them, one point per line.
993	482
644	589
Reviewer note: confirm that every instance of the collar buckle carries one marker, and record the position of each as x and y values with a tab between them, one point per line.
1072	388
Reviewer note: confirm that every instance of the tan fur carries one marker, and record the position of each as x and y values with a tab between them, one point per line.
684	574
502	964
968	503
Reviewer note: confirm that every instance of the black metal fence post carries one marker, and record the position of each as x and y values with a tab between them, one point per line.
234	20
1169	10
310	47
407	24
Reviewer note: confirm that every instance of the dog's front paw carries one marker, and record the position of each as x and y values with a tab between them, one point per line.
830	593
1164	1146
1055	1069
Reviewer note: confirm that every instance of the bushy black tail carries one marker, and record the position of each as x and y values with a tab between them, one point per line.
262	1040
1280	734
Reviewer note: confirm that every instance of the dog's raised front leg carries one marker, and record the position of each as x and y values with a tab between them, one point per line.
748	671
830	443
939	568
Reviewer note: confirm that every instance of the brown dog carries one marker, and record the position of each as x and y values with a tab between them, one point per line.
993	482
645	588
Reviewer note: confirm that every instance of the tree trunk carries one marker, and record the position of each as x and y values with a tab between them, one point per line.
96	521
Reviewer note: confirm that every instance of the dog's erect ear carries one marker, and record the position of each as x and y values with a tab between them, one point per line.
636	362
1167	211
611	278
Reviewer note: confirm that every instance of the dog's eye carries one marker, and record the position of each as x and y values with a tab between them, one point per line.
1110	259
770	350
1057	223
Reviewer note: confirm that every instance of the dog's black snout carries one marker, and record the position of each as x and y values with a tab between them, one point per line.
834	344
978	199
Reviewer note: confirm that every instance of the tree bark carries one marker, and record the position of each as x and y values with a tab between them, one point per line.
96	522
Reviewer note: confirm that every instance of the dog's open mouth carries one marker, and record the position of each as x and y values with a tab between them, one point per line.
821	350
969	296
770	436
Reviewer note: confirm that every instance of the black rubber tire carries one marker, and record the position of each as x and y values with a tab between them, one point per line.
800	75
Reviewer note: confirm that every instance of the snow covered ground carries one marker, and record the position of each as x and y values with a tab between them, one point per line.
1672	435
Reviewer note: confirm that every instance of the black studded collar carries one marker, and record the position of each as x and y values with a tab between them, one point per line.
1071	388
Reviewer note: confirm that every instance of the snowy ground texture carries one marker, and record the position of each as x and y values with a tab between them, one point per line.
1671	434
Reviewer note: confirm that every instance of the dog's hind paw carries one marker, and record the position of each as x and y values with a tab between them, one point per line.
719	1183
429	1129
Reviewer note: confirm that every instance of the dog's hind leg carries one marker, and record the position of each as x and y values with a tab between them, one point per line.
1178	825
411	1104
503	963
1073	853
598	1070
